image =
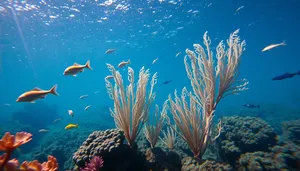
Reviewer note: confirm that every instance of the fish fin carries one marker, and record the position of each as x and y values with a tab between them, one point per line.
42	97
283	43
81	70
88	65
75	64
53	90
36	89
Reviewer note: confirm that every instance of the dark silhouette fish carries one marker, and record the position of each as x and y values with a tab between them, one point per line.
285	76
251	106
167	82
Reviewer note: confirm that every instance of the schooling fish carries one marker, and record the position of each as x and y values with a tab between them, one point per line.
76	68
285	76
251	106
154	60
43	130
71	126
167	82
86	108
83	96
123	63
35	94
273	46
109	51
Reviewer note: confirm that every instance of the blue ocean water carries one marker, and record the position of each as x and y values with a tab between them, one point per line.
39	39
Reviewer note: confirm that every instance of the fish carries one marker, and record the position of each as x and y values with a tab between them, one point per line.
71	113
123	63
6	104
71	126
273	46
167	82
109	51
86	108
35	94
251	106
96	92
76	68
56	120
154	60
285	76
43	130
83	96
177	54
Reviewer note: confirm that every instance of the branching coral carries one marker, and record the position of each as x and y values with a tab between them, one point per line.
152	132
193	112
131	108
9	143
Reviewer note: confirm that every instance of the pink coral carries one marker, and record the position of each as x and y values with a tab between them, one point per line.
94	165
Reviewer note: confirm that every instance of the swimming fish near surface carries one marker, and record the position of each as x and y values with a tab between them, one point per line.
43	130
35	94
83	96
76	68
56	120
109	51
71	126
86	108
177	54
273	46
154	60
71	113
123	63
167	82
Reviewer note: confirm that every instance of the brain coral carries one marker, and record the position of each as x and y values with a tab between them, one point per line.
99	143
244	134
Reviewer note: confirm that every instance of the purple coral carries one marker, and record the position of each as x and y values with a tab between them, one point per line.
94	165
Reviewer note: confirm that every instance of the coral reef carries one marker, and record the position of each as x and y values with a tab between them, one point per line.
291	131
244	134
192	164
157	159
281	157
110	146
94	165
9	143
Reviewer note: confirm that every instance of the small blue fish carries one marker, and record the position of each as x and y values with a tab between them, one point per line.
251	106
285	76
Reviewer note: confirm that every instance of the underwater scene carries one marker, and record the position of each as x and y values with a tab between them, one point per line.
149	85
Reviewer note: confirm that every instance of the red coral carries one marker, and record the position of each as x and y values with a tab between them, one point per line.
94	165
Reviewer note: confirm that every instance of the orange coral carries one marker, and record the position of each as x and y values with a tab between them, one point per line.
9	143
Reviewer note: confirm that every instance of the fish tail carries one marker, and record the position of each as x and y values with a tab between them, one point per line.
283	43
76	126
88	65
128	62
53	90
